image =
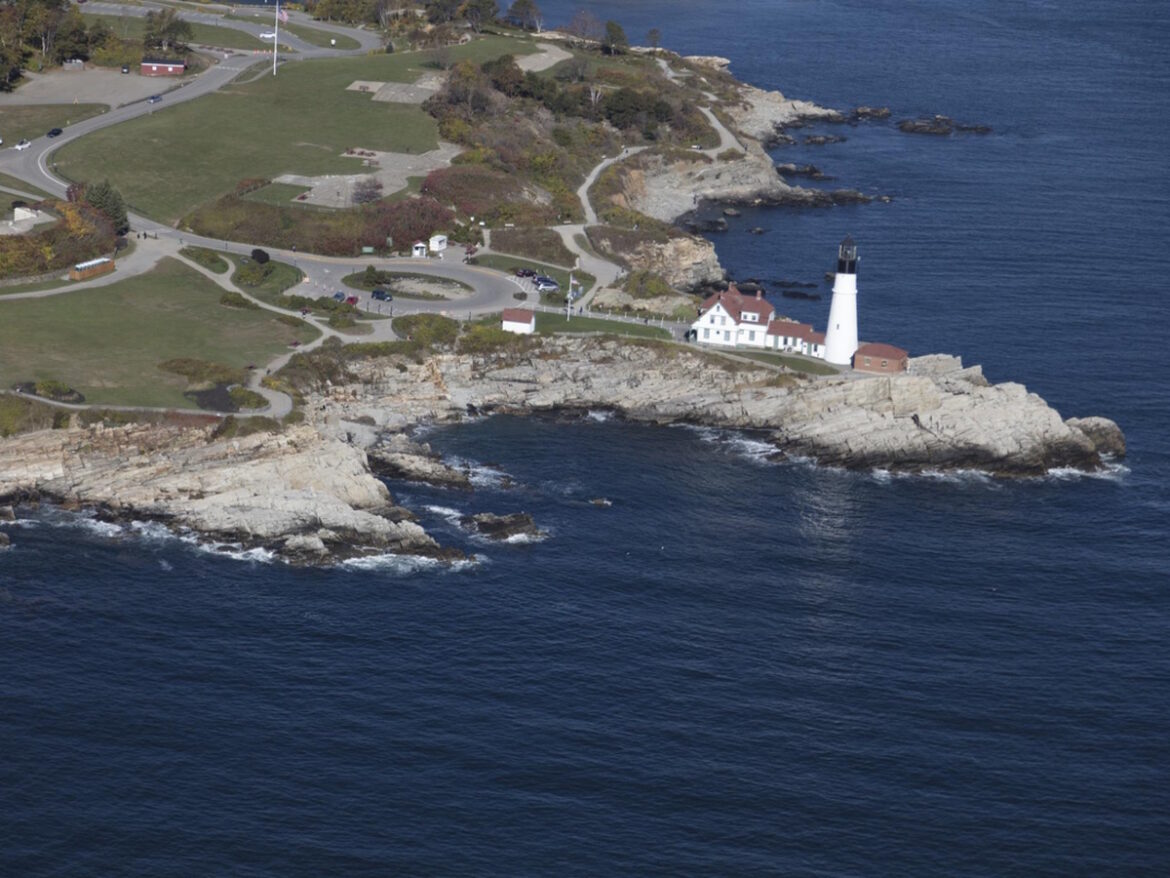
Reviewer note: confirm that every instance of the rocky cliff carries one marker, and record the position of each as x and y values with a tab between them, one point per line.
300	492
686	262
310	494
938	416
763	115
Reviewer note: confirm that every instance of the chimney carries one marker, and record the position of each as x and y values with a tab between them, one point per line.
759	295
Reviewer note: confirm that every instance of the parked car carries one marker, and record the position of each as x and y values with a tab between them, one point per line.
525	272
125	68
268	35
24	144
351	300
154	99
339	296
54	132
547	286
382	296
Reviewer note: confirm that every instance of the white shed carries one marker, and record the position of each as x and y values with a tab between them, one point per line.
519	320
419	250
438	243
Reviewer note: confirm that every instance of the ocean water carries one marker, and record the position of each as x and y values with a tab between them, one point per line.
738	667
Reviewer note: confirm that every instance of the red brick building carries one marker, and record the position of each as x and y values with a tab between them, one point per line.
880	358
162	67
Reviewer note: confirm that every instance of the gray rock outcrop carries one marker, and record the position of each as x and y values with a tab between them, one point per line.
939	415
259	489
763	115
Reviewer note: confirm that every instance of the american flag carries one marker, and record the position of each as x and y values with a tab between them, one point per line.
282	15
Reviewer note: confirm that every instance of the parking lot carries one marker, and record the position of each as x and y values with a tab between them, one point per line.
90	86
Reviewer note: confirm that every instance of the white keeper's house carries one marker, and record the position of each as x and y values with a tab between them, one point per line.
731	319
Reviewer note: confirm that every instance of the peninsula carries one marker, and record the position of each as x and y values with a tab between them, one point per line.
269	337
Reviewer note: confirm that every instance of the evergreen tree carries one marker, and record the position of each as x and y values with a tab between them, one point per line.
615	42
104	197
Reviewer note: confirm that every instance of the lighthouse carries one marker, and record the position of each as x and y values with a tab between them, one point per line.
841	336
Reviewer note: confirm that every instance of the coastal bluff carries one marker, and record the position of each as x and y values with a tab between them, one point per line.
310	494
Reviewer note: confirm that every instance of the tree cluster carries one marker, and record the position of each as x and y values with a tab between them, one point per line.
44	31
82	233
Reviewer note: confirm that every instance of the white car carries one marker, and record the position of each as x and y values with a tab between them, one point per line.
268	35
24	144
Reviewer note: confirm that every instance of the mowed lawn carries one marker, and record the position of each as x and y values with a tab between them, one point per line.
298	122
107	342
20	123
130	27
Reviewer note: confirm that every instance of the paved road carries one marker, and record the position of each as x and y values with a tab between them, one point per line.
491	290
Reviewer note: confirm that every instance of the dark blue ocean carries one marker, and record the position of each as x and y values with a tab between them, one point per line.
740	667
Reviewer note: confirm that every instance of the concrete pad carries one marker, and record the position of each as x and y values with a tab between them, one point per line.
391	169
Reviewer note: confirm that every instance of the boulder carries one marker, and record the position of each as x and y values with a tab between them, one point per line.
501	527
1105	435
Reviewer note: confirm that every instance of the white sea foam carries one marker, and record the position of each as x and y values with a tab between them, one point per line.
1111	472
479	475
525	539
445	512
600	416
107	529
407	564
739	444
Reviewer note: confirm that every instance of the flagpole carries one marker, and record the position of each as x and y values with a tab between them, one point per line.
276	36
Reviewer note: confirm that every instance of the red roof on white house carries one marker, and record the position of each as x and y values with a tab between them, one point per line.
816	337
880	350
518	315
790	329
736	303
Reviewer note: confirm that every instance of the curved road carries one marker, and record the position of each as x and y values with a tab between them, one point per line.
491	290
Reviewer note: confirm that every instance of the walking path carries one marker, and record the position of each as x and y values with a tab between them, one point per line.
492	290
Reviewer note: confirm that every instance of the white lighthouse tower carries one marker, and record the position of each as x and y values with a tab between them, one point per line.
841	335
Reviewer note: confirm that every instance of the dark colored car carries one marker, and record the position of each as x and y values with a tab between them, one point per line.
381	296
525	272
339	296
54	132
154	99
351	300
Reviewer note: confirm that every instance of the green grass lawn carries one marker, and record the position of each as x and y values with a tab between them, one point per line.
16	183
796	364
548	324
321	38
130	27
298	122
284	278
107	342
20	123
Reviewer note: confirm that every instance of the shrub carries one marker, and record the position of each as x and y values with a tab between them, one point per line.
647	285
235	300
427	329
260	256
209	259
253	274
243	398
202	372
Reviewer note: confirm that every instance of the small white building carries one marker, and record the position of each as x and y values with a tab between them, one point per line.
438	243
797	338
521	321
731	319
419	250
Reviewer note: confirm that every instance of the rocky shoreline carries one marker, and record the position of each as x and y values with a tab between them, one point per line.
311	493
